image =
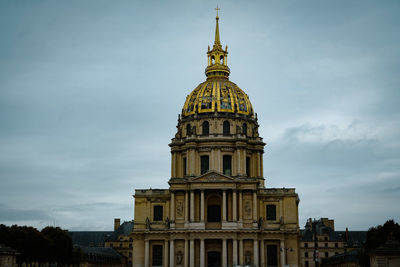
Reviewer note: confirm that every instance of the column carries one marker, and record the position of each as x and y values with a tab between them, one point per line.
166	253
192	205
172	216
224	262
234	253
186	260
234	208
202	254
262	255
255	205
241	262
146	253
224	205
186	207
240	205
202	206
171	253
282	249
191	256
255	252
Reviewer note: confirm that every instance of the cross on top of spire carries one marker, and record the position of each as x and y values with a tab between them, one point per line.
217	10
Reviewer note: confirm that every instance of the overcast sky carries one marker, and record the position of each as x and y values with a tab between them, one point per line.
90	92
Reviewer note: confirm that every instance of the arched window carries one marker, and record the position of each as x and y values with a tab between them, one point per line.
226	128
244	129
221	60
206	128
188	130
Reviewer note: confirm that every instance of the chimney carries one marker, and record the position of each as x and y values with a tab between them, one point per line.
117	223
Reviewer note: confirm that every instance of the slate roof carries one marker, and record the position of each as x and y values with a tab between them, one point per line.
89	238
124	229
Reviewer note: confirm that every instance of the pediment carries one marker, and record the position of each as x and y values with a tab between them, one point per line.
213	177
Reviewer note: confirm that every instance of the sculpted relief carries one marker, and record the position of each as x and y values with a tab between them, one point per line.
179	209
247	209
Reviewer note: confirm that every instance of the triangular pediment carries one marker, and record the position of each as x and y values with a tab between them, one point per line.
213	177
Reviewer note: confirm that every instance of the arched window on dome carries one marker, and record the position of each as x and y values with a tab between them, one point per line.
226	128
221	60
205	128
244	129
188	130
212	60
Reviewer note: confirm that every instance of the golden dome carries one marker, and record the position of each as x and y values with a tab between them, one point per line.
217	93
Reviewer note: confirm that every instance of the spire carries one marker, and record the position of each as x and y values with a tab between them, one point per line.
217	57
217	41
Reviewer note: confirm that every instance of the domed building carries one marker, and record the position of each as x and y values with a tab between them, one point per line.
217	210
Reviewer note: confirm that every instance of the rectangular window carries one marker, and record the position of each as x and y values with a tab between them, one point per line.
248	166
205	163
326	254
306	245
157	255
227	164
326	245
306	254
184	167
271	213
158	213
306	262
336	245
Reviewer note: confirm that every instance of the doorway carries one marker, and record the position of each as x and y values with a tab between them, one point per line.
213	259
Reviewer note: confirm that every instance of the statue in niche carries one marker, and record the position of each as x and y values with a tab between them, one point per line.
281	221
260	223
179	258
247	208
168	223
148	227
179	209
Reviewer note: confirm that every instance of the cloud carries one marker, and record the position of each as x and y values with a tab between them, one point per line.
8	214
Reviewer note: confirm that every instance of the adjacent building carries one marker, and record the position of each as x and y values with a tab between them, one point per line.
217	210
319	237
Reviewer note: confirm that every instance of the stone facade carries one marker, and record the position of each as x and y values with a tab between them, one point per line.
217	210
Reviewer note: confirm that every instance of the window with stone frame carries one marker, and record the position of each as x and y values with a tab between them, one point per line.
158	213
271	212
204	163
205	128
184	166
226	128
248	166
227	164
